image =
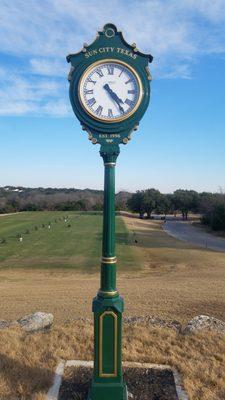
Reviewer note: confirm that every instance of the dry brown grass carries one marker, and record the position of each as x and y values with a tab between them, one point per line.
175	281
178	280
199	358
27	362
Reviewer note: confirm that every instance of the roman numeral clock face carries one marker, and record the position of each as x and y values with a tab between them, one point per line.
110	91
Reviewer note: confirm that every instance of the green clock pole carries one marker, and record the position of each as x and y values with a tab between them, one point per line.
107	383
109	49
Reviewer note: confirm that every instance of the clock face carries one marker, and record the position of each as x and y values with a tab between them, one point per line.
110	90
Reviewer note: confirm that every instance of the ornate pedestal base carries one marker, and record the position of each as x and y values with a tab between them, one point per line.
107	392
107	383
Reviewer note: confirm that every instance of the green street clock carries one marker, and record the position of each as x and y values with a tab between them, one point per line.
109	94
109	87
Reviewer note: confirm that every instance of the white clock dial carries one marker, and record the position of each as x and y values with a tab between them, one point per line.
110	90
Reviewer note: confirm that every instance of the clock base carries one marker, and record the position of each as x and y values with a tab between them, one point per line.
108	391
107	382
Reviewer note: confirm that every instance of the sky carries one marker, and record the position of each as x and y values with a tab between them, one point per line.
181	138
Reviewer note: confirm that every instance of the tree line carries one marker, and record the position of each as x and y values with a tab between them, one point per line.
211	206
17	199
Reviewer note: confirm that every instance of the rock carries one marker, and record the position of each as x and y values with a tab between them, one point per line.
204	322
7	324
4	324
149	320
36	322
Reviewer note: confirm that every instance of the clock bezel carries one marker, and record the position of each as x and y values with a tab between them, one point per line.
105	61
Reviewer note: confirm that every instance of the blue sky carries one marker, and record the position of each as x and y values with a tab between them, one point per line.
180	142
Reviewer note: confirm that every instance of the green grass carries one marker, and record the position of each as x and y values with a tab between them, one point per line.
78	246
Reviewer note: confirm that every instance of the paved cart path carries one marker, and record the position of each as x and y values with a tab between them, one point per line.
5	215
185	231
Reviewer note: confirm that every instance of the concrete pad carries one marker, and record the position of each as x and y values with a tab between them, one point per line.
54	390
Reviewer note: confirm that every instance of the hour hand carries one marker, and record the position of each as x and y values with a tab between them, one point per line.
114	96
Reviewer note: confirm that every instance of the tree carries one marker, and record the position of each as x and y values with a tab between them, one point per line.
213	208
186	201
164	205
151	201
97	207
218	218
144	201
31	207
136	203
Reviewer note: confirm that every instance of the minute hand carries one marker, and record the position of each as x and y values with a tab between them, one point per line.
114	97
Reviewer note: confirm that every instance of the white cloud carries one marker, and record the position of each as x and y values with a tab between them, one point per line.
183	71
54	27
16	108
24	96
59	108
42	33
213	10
48	67
2	73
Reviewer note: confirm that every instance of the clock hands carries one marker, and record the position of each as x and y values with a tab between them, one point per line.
114	97
113	94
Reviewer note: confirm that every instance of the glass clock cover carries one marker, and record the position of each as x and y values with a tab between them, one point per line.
110	90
